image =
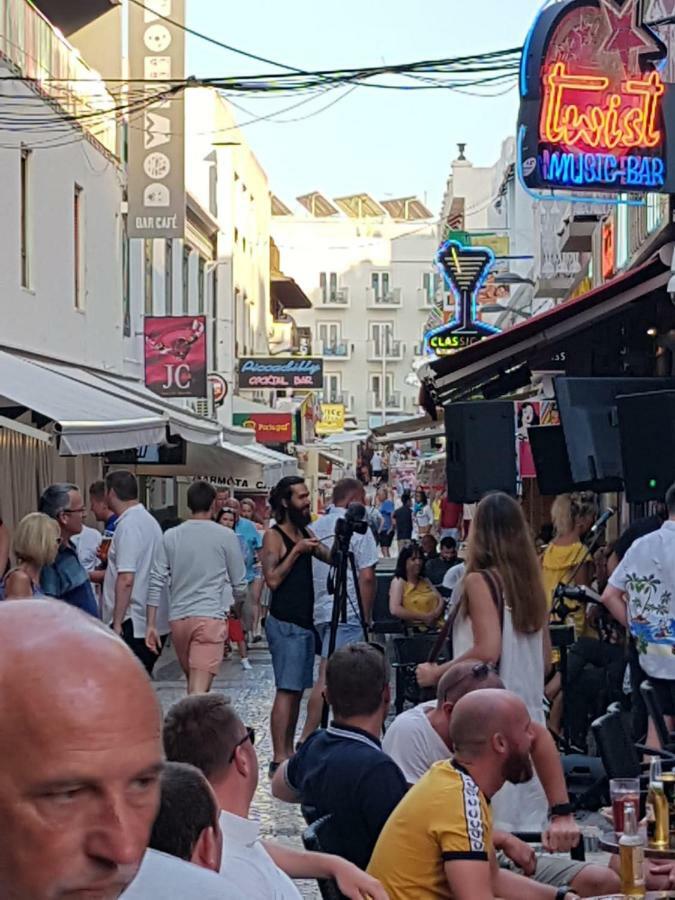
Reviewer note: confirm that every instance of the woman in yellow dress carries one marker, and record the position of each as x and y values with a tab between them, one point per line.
412	597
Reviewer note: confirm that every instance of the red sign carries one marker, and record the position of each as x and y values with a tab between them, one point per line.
175	355
270	428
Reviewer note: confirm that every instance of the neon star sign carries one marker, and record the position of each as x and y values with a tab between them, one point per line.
465	270
592	101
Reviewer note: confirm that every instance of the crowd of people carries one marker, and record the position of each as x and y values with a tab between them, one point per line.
431	807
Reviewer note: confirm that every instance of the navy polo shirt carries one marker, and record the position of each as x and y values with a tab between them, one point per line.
344	772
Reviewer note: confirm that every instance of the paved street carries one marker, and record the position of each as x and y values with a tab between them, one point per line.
252	694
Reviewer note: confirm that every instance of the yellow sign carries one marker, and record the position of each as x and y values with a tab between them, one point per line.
332	418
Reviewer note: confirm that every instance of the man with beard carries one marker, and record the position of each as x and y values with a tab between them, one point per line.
438	841
287	552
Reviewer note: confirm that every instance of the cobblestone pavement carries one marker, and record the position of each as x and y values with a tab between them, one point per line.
252	693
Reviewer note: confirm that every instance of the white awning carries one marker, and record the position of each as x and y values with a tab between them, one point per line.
191	427
87	420
287	465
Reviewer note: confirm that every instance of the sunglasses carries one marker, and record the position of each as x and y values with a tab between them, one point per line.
480	671
249	736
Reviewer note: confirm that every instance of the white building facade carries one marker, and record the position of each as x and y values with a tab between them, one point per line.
368	269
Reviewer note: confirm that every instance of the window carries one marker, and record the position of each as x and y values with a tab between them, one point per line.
380	284
168	277
201	277
25	217
655	212
186	279
78	247
376	387
330	334
328	282
381	334
332	387
148	274
431	285
126	281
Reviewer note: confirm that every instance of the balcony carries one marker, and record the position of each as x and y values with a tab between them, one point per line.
347	400
383	300
393	350
42	54
334	350
394	401
425	300
339	298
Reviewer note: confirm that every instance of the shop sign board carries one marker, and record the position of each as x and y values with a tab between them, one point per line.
156	180
218	387
175	355
270	428
280	373
595	114
332	419
465	269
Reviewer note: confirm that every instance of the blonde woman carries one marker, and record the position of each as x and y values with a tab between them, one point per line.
573	515
36	541
501	621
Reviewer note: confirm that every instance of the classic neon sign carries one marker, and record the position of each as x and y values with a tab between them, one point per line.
465	270
592	100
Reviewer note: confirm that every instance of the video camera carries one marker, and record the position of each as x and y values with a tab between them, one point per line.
353	522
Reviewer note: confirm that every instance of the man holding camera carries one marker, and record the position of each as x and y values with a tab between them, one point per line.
364	548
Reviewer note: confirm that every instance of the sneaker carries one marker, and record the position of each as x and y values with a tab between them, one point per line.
245	664
256	639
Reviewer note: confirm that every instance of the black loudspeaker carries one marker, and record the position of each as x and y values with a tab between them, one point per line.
551	461
480	450
647	433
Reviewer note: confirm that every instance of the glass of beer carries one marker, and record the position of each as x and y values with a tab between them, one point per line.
622	791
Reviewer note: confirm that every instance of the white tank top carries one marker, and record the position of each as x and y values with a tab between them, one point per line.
516	807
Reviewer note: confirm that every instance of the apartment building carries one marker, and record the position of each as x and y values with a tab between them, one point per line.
367	267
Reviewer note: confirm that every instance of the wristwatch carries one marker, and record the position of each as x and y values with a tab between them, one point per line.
562	892
561	809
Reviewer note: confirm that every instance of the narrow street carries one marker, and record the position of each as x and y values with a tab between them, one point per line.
252	694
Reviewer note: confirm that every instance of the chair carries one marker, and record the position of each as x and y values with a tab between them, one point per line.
311	839
409	652
383	621
666	737
620	756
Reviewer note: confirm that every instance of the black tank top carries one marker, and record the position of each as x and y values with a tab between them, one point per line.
293	600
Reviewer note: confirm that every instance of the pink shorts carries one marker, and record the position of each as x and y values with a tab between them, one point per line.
199	643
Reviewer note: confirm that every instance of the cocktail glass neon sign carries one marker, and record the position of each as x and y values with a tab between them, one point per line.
465	270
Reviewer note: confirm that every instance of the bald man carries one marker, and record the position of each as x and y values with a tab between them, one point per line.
438	841
420	737
80	758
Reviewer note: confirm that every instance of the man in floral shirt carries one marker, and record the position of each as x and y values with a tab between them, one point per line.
641	594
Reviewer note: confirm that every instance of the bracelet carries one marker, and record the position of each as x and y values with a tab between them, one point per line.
562	892
561	809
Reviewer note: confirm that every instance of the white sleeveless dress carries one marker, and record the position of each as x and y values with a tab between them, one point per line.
516	807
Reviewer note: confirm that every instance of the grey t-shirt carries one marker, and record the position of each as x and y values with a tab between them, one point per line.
203	566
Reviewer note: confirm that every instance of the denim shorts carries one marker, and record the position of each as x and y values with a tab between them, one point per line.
347	633
292	649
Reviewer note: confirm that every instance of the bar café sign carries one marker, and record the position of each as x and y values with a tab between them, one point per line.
595	113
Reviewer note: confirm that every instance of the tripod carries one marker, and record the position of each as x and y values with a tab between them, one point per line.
342	563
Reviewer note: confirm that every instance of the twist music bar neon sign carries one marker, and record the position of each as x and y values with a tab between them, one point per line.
592	100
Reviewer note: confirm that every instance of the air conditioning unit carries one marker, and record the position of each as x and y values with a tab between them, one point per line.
202	408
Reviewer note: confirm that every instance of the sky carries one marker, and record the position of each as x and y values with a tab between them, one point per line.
386	143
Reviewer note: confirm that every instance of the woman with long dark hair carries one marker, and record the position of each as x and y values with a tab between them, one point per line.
412	597
501	621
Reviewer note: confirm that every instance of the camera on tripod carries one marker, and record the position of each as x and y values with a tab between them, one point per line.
353	522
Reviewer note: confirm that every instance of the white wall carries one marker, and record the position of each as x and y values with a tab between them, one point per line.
354	249
43	318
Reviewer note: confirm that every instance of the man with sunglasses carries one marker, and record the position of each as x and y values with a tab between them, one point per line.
66	578
420	737
205	731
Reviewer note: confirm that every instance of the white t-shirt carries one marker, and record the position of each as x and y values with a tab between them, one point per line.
452	578
422	519
365	553
169	878
413	743
87	543
132	549
376	463
246	862
646	575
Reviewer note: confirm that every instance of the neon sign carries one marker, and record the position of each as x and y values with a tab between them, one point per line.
465	270
592	101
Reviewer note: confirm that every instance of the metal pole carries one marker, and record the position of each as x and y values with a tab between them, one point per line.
385	342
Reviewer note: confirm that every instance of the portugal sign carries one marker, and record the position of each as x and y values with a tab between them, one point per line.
594	107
